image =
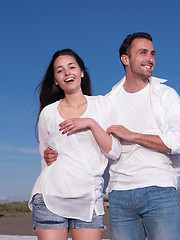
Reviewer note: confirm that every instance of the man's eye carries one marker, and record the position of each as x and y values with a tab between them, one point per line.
73	67
59	71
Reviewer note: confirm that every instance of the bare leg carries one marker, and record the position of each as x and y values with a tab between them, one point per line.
59	234
86	234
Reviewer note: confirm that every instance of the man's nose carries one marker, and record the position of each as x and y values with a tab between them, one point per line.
150	58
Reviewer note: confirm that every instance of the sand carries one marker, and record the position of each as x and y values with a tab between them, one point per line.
14	227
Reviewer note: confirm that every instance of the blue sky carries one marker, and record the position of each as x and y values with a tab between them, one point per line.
32	30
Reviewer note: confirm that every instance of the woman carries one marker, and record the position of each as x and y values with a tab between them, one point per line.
68	193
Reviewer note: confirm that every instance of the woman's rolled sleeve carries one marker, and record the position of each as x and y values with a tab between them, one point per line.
115	151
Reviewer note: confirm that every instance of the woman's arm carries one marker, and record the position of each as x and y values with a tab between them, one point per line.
103	139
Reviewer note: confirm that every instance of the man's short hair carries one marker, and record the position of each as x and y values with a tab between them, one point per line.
123	50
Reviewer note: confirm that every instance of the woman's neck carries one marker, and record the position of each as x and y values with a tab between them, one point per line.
72	106
74	100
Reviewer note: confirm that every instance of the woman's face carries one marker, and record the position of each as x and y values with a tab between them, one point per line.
67	74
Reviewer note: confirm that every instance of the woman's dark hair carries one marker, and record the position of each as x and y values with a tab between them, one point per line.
124	48
49	92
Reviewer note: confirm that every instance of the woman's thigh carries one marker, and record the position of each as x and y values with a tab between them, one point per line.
56	234
86	234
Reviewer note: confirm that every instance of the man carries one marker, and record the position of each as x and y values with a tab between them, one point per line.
142	186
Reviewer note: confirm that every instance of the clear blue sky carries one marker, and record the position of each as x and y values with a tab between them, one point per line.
32	30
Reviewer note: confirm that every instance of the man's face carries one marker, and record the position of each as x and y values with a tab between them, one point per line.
141	58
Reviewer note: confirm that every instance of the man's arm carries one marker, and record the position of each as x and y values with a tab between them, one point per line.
50	156
146	140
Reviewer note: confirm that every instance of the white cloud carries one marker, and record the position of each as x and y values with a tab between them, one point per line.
7	199
3	198
28	150
10	148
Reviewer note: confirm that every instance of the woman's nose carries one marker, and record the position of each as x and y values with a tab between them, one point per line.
67	72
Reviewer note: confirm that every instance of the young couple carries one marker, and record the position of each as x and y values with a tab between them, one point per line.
136	126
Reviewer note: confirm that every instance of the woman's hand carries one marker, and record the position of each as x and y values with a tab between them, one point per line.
74	124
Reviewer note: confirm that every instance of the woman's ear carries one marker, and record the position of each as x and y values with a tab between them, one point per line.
82	74
56	83
125	59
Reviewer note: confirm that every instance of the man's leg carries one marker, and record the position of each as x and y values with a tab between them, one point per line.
162	214
125	223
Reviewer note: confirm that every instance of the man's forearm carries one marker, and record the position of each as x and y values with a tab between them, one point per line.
146	140
151	141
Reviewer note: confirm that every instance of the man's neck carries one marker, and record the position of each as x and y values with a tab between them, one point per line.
133	85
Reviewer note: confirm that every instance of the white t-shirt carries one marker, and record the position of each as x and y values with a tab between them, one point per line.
139	166
72	186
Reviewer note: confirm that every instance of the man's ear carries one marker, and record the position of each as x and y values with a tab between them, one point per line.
125	59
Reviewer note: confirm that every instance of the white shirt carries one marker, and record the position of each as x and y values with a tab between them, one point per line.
72	186
153	110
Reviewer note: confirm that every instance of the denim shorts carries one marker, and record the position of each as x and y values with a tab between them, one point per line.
45	219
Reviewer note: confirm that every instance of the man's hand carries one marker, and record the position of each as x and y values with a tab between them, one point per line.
50	156
121	132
